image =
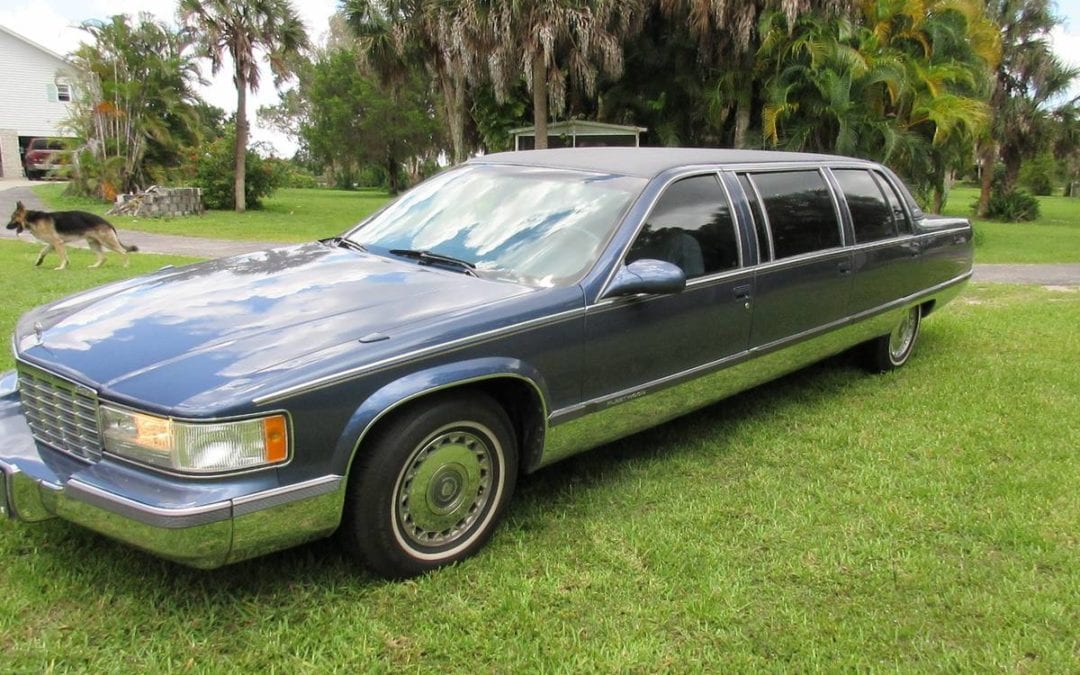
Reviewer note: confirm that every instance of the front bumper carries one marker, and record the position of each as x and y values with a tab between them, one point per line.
203	526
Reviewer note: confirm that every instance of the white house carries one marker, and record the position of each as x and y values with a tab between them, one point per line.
36	90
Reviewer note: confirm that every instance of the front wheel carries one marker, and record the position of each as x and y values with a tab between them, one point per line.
431	485
891	351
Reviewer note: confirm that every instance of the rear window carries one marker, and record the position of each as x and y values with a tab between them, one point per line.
800	211
871	216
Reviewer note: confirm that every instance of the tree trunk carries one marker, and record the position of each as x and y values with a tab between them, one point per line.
453	87
744	103
539	92
241	143
392	180
986	167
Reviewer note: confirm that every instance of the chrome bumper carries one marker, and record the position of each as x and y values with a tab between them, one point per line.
191	528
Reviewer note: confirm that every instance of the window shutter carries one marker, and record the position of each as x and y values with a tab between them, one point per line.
51	93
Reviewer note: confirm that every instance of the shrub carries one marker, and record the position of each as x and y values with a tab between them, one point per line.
215	173
1014	206
1040	174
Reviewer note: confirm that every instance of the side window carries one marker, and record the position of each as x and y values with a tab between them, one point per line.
764	250
690	226
871	215
800	210
903	226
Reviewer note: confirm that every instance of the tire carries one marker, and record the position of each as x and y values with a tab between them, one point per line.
892	351
430	485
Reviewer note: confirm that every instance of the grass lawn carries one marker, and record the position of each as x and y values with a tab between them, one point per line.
289	215
922	520
1053	238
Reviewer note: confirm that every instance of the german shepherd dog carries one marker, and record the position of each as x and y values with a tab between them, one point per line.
55	228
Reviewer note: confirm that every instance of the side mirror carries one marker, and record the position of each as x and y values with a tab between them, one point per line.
647	276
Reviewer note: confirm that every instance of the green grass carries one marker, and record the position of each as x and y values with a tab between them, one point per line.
289	215
1053	238
923	520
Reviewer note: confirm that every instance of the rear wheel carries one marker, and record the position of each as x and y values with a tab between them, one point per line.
892	351
431	485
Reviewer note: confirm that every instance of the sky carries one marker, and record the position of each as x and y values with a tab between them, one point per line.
54	24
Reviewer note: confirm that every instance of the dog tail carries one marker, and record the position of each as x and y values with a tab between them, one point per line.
129	249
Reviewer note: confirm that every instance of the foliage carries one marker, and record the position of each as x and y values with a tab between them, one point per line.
403	39
559	47
1040	174
139	107
348	121
243	31
899	85
1026	82
1012	206
215	174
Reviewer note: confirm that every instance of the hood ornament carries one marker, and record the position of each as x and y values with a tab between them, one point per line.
38	330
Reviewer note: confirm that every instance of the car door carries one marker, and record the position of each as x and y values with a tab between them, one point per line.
807	282
885	255
653	340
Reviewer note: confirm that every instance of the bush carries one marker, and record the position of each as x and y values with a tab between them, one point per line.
1014	206
1040	174
290	174
215	173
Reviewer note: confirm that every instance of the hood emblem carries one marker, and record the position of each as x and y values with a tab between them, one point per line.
38	330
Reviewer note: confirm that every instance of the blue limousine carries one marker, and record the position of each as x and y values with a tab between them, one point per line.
390	385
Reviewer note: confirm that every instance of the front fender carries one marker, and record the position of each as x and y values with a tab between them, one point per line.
417	384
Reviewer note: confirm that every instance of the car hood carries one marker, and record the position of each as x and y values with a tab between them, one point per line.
170	336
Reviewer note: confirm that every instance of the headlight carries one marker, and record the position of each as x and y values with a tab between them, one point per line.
197	447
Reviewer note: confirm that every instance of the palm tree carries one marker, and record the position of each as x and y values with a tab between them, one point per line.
398	37
1028	77
901	85
556	45
727	36
242	29
140	76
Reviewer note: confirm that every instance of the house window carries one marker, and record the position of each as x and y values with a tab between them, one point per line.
63	93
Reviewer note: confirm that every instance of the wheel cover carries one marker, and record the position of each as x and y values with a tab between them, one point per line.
903	336
446	487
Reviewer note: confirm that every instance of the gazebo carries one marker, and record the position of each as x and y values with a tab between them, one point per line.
580	134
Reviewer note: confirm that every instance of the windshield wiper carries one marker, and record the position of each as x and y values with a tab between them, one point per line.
429	258
345	242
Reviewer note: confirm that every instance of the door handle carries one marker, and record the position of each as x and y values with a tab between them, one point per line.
844	267
742	292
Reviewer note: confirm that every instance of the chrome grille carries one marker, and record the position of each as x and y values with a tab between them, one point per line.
60	413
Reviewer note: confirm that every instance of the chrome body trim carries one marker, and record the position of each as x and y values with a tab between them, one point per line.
446	347
205	536
607	418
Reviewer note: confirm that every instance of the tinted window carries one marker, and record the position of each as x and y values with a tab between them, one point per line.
800	211
759	220
690	226
899	217
871	216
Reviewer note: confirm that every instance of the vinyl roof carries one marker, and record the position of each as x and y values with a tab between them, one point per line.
645	162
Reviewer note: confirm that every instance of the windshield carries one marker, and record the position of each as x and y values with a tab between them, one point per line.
541	227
